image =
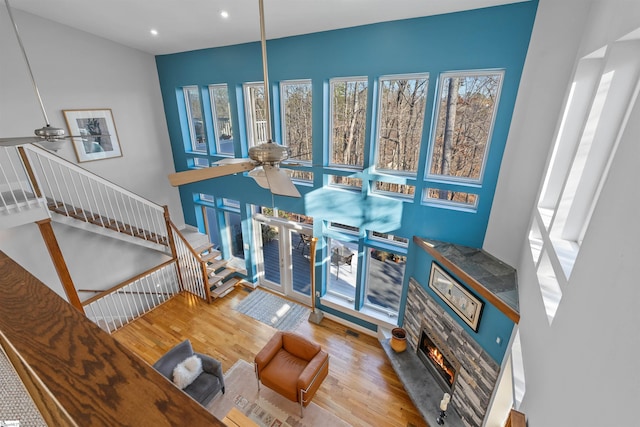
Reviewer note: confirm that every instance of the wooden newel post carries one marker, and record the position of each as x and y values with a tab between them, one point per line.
316	315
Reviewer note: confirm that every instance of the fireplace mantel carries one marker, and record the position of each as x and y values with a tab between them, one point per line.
491	278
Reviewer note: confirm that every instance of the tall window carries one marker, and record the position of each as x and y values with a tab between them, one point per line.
348	117
343	269
467	103
221	113
194	117
296	118
402	101
256	115
385	271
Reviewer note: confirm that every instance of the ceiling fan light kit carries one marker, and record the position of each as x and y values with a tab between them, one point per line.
264	159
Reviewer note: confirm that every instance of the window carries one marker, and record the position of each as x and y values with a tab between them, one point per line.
385	272
345	182
194	118
404	191
221	114
302	177
389	238
402	101
211	226
450	198
296	119
256	115
467	103
348	120
199	162
344	228
343	268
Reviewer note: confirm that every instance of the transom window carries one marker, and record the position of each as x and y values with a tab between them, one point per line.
255	113
467	103
194	118
221	114
450	198
402	102
348	120
296	119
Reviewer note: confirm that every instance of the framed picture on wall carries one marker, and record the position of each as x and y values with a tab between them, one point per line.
464	303
95	136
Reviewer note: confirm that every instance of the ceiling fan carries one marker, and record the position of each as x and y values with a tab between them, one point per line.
50	137
264	159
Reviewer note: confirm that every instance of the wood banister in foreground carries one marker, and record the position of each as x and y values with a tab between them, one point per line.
76	373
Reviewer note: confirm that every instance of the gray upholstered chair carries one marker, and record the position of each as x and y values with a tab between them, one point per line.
206	385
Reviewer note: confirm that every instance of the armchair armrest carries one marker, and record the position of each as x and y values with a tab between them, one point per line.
212	366
267	353
312	371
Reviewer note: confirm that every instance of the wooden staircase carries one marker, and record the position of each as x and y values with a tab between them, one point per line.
102	221
220	277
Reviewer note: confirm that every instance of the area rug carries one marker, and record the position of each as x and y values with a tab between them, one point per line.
266	408
278	312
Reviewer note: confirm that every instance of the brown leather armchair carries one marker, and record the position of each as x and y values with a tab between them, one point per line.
292	366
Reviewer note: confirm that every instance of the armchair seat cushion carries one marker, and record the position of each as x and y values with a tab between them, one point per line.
282	373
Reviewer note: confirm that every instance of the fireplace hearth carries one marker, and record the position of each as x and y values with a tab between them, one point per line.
438	360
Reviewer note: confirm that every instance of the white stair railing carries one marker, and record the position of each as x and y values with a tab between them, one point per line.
16	192
114	308
75	192
190	266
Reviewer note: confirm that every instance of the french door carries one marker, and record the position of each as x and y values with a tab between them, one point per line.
283	257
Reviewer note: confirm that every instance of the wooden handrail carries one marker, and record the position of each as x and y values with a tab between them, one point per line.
77	374
127	282
29	170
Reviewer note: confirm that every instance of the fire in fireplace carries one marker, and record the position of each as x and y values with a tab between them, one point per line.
439	361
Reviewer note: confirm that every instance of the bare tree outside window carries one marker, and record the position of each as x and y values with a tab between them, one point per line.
221	113
194	118
401	116
348	117
466	112
296	119
256	115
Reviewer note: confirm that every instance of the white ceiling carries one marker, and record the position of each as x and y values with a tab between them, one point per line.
184	25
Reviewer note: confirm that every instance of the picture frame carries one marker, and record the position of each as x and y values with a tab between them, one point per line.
462	302
94	134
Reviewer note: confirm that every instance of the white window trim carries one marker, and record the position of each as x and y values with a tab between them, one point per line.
249	112
214	116
192	130
330	131
283	123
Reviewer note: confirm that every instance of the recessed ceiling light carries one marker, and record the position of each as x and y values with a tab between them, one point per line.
154	32
224	14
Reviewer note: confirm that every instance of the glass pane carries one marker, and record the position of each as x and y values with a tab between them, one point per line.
402	105
221	113
296	119
302	176
450	197
345	182
348	116
385	271
256	115
343	268
271	252
401	190
300	262
233	223
467	104
212	227
194	117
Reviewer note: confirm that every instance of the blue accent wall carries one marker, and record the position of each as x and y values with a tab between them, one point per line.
494	38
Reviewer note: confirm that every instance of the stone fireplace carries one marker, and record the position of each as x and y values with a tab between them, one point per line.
476	373
440	362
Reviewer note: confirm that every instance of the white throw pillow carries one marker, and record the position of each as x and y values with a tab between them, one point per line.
187	371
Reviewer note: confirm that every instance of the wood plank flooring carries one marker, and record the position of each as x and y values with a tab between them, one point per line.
362	387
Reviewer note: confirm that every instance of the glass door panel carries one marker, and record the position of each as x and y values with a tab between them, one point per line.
299	252
269	268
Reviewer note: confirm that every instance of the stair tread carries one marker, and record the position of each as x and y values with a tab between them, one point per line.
225	288
216	265
204	248
210	257
221	275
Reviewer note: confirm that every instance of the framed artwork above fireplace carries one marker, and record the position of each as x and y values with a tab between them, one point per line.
462	302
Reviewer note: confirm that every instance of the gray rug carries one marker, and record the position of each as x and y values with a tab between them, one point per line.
278	312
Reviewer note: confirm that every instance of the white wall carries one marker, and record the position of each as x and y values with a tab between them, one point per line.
76	70
583	369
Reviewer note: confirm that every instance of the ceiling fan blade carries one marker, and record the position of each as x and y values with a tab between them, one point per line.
279	182
233	161
8	142
187	177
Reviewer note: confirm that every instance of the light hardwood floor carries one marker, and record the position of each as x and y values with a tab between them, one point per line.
362	387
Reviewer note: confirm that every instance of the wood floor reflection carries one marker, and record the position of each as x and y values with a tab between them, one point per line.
362	387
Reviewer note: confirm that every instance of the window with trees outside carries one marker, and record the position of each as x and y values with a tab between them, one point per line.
221	114
194	117
255	113
296	119
401	106
466	104
348	120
